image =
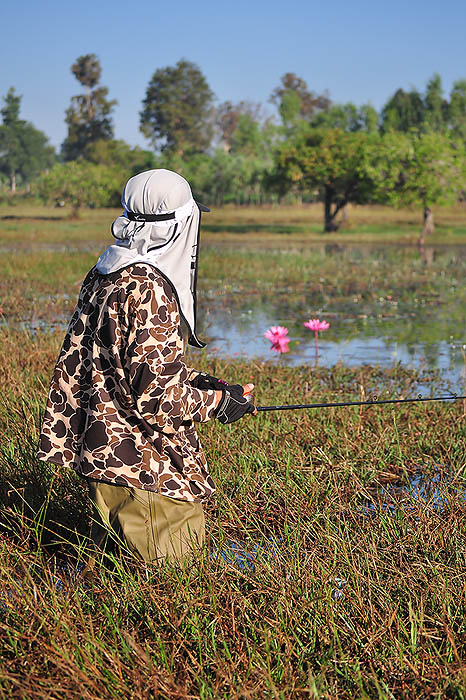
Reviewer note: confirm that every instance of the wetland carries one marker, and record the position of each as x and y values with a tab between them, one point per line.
336	559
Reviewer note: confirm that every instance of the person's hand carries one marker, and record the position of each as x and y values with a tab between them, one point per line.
233	404
207	381
247	393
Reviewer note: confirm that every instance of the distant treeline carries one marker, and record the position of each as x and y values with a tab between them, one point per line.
412	152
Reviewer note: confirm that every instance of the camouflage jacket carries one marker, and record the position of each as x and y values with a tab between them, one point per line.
121	407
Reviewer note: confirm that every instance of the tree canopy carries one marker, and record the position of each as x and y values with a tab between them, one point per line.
294	100
118	154
80	183
457	110
177	110
348	117
330	163
89	115
423	168
228	115
24	150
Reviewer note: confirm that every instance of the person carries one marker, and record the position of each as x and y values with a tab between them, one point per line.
123	405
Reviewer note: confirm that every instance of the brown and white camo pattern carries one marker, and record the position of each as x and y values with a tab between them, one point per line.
121	407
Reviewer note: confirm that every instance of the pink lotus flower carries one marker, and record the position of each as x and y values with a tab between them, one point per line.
315	325
278	337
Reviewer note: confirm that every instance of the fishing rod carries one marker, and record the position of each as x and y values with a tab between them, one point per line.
371	402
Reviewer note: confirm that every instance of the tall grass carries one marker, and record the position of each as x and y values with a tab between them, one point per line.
44	284
323	577
301	493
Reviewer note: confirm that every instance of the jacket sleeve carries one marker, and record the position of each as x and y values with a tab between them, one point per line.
192	374
159	378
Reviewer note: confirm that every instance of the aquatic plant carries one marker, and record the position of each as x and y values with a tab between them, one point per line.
278	337
314	324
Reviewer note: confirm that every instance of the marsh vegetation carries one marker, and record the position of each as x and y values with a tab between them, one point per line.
327	575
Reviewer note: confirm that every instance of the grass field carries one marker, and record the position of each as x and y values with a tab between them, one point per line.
27	224
352	588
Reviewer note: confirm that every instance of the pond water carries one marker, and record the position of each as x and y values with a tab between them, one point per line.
385	303
421	324
434	490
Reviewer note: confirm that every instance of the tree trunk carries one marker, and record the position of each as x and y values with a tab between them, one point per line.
429	227
329	217
75	210
90	110
13	181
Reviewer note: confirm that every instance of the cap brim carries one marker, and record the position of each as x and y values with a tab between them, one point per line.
202	207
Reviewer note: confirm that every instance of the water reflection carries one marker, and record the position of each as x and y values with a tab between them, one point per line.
434	489
421	324
241	334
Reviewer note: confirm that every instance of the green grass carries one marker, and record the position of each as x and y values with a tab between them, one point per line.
216	630
27	224
44	283
306	485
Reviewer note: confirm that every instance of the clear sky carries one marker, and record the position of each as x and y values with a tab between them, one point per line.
359	50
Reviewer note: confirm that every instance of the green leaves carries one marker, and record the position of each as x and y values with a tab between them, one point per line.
24	150
394	168
176	109
87	70
330	162
89	115
82	184
416	168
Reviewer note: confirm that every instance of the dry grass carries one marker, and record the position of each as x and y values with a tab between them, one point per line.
302	492
305	488
28	225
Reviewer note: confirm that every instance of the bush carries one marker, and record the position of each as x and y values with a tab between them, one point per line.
80	183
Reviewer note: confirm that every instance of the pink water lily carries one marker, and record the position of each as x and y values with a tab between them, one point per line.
314	324
276	332
278	337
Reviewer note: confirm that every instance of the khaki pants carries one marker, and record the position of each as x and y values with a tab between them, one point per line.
154	527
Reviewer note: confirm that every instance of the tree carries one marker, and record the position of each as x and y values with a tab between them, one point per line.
82	184
119	154
457	110
177	109
235	176
436	107
408	110
294	101
347	117
89	115
248	137
227	116
369	118
403	111
416	168
24	150
329	162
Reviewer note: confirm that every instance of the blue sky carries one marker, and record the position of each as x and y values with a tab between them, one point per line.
358	50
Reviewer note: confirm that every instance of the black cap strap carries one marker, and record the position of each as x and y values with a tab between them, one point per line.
149	217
